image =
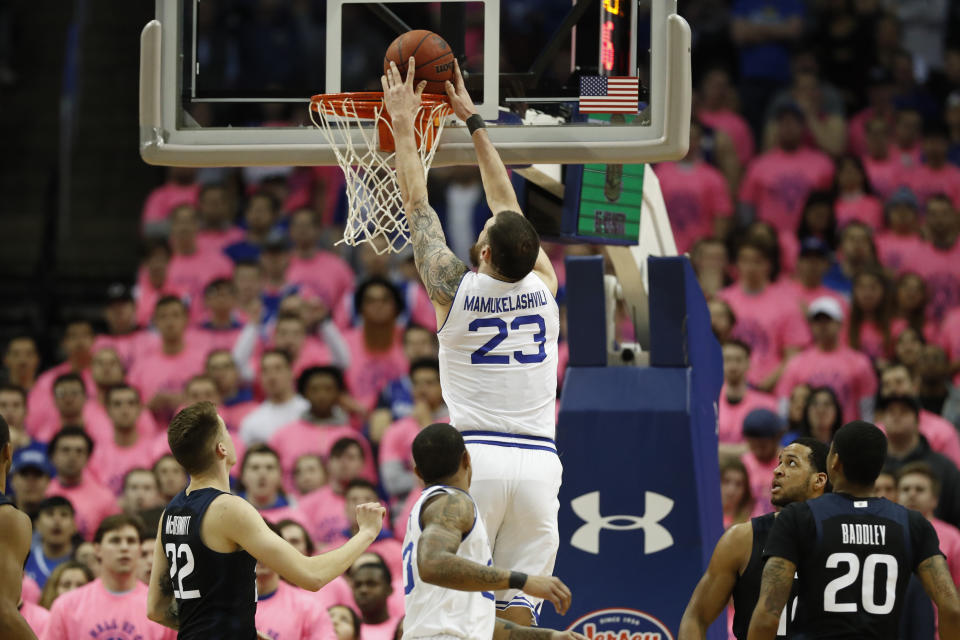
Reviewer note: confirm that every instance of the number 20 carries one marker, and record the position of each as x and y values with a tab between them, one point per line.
173	553
830	603
482	355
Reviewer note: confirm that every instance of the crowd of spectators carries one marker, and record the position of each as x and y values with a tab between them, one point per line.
820	206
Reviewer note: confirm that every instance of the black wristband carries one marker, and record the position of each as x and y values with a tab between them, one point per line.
517	579
475	122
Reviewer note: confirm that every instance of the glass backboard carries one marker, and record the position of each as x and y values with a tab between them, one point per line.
228	83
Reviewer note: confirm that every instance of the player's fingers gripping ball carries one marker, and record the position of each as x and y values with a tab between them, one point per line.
432	58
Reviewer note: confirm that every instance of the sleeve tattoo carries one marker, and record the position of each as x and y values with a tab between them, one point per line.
935	573
775	585
438	546
440	270
510	631
172	614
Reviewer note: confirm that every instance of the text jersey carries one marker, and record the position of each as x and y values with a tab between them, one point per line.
216	592
854	558
746	590
498	356
437	611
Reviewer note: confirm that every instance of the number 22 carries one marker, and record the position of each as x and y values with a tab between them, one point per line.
173	553
482	355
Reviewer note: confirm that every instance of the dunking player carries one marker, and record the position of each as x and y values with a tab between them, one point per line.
209	541
852	553
448	575
14	547
737	561
498	346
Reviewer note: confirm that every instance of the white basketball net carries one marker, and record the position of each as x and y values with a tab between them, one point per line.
375	206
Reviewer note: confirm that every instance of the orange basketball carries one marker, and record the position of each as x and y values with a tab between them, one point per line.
432	54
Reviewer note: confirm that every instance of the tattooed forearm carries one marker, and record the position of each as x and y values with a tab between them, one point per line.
935	577
171	617
506	630
445	522
775	585
440	270
775	588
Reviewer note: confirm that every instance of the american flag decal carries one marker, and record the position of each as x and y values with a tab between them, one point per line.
617	94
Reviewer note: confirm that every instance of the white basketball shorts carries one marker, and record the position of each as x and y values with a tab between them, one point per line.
516	481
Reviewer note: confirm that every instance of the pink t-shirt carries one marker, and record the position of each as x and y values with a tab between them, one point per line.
925	181
857	131
941	435
30	590
369	372
301	437
950	545
40	407
327	274
147	296
777	184
760	476
732	124
803	296
325	514
848	372
931	330
192	273
128	346
91	500
769	322
864	208
36	616
235	413
696	194
941	271
383	631
421	309
896	252
98	424
219	339
93	613
290	614
871	341
400	522
949	338
885	175
110	462
159	371
217	241
164	198
730	416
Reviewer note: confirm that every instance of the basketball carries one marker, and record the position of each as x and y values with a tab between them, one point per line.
433	56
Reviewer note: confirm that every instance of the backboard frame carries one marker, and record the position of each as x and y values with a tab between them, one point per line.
163	141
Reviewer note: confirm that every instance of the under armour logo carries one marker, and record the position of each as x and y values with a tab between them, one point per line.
656	537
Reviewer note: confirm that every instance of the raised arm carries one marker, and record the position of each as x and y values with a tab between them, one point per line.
161	605
239	522
935	577
496	181
715	587
14	546
446	519
775	588
440	270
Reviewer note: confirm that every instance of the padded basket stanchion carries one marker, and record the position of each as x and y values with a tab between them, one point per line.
366	155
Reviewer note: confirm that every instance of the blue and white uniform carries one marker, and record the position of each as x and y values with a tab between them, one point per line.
436	612
498	369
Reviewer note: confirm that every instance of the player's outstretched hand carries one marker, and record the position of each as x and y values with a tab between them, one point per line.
460	100
401	98
549	588
566	635
370	517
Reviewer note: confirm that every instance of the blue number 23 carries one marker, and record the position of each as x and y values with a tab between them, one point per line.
482	355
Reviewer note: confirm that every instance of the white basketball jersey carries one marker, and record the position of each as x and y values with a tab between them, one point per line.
498	356
437	611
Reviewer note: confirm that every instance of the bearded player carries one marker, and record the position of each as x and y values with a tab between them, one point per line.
498	346
737	563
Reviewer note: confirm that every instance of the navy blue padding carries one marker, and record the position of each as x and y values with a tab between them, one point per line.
586	318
